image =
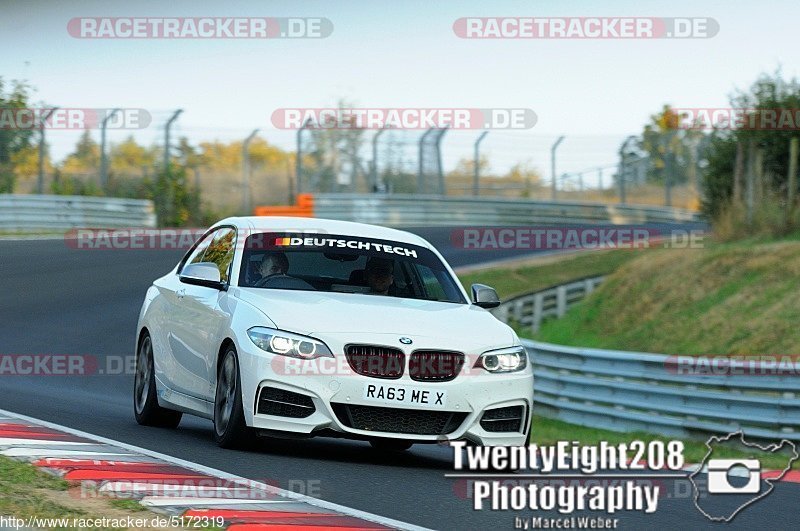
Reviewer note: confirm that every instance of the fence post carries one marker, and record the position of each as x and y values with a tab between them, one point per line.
668	170
791	179
246	201
421	162
749	191
502	313
42	146
561	301
517	311
738	173
553	149
760	175
588	286
103	153
538	303
476	176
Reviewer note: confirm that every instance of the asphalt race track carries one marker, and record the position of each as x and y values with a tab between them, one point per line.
58	300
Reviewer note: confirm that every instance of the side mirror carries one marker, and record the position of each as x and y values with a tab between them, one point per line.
203	274
485	296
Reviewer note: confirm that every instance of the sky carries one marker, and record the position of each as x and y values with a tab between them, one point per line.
399	54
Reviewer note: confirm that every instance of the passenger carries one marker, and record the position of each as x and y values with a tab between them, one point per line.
275	263
379	274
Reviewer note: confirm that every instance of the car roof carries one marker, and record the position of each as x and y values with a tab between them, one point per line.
330	226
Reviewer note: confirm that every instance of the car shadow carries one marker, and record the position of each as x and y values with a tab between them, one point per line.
430	456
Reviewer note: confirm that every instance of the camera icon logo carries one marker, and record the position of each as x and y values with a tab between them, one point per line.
720	472
724	487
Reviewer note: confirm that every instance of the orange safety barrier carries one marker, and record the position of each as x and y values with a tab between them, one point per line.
303	208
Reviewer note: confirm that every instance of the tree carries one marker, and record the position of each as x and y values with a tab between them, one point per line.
670	148
334	152
85	159
13	141
130	159
768	92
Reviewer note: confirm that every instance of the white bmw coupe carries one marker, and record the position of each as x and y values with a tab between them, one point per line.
304	327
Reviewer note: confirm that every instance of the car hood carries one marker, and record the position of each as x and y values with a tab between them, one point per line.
319	313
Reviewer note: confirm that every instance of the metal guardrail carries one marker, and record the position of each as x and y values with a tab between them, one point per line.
432	210
531	309
633	391
655	393
30	213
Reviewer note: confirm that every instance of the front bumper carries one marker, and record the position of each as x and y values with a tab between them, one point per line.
333	387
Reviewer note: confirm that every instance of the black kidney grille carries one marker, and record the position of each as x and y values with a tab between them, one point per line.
434	366
394	420
376	361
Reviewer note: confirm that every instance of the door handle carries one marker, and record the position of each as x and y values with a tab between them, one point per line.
181	293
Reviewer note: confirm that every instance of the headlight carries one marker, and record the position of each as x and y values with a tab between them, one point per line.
288	344
503	360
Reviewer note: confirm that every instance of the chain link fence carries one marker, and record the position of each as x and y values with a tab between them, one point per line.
278	164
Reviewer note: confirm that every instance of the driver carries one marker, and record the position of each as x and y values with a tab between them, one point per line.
379	274
275	263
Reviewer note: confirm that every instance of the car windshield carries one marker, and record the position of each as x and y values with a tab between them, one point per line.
346	264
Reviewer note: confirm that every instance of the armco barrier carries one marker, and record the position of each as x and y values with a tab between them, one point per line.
36	213
432	210
629	391
529	310
635	391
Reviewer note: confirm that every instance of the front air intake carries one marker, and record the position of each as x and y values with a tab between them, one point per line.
395	420
282	403
503	419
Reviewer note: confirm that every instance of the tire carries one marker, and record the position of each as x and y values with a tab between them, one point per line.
230	428
145	398
390	445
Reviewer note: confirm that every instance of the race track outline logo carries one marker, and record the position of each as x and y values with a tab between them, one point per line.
718	469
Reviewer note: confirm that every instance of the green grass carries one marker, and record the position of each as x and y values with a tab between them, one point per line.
548	271
14	473
549	431
27	491
23	490
128	505
738	298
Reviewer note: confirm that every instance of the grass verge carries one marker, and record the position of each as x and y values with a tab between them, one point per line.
544	272
726	299
27	491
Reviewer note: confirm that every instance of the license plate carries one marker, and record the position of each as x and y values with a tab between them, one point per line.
405	395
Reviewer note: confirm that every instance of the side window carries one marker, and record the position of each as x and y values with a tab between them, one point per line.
199	251
220	251
433	288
